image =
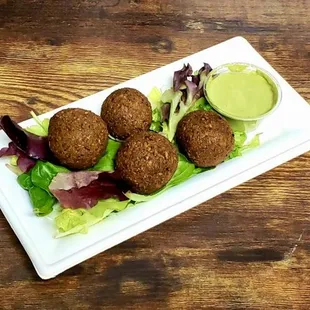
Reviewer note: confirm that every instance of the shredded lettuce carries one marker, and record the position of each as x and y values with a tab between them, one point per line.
72	221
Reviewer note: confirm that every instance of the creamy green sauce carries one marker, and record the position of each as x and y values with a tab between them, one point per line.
242	93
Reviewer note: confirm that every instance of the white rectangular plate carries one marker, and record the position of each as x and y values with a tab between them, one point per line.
285	135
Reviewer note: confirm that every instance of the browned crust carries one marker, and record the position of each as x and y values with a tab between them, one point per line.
205	137
146	161
126	111
77	137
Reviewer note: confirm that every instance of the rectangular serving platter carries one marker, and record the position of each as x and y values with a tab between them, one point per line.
284	135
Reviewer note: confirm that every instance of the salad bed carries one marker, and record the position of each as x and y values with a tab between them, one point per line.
80	199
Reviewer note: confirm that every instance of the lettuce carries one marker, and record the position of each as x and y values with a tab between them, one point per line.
254	143
13	160
182	98
26	144
154	98
177	110
201	104
41	200
43	173
83	189
106	163
24	180
36	182
72	221
156	121
240	146
240	126
41	128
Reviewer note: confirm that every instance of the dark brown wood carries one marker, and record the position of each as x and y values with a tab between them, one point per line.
248	248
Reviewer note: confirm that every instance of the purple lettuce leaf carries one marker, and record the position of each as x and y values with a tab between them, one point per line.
195	79
165	111
205	68
192	91
83	189
187	89
203	73
200	78
31	145
181	76
10	150
24	163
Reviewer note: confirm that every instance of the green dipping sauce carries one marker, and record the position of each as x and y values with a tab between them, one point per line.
242	93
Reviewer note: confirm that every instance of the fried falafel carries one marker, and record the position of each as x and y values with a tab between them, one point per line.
126	111
77	137
205	137
146	162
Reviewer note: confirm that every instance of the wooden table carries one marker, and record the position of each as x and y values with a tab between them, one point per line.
248	248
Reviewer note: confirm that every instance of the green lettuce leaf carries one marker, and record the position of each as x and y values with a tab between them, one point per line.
177	110
43	173
241	126
24	180
254	143
72	221
200	104
36	182
106	163
184	171
200	170
240	146
155	99
41	200
156	121
41	129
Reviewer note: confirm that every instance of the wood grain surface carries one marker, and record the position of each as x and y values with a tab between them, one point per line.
248	248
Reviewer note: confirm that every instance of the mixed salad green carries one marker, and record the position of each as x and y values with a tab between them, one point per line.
168	108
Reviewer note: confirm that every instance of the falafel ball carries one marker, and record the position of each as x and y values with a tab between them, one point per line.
205	137
146	162
126	111
77	137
